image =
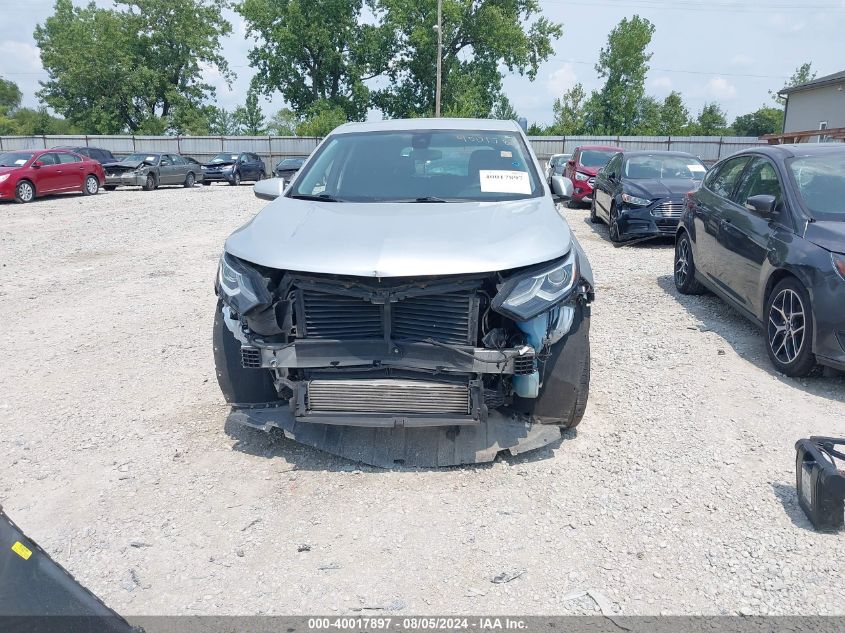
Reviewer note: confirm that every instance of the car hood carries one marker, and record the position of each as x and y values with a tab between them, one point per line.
828	235
6	170
661	188
124	165
590	171
402	239
221	163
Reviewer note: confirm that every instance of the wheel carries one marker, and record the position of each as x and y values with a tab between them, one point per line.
573	204
593	217
190	179
236	179
150	183
24	192
206	183
260	176
92	185
789	328
109	187
685	280
614	225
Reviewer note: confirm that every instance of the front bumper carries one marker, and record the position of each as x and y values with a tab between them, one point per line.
638	222
125	179
582	190
828	299
217	176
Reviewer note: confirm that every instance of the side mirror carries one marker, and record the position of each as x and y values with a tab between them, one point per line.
269	189
37	164
561	188
763	205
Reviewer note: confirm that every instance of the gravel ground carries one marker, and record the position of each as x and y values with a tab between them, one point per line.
676	494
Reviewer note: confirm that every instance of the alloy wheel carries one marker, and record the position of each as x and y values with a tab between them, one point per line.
91	185
682	262
614	226
786	326
25	192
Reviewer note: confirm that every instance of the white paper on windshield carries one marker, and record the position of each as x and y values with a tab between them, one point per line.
21	161
503	181
697	168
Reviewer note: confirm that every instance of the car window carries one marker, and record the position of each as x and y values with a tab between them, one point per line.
68	158
165	160
595	157
663	166
760	179
613	167
724	182
406	165
820	183
49	158
84	151
177	160
15	159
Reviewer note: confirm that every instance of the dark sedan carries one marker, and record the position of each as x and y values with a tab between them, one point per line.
288	167
102	156
766	233
233	168
641	194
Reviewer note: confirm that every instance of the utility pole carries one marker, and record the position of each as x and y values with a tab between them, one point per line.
439	29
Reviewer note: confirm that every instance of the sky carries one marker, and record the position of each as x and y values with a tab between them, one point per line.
729	51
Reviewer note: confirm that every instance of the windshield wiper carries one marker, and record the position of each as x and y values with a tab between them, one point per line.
323	197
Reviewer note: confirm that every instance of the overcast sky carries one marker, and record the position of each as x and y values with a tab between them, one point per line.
730	51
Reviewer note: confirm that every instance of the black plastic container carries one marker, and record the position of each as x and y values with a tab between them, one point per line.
820	482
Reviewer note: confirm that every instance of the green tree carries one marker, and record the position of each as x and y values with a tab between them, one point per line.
315	51
623	64
503	110
802	75
765	120
250	116
480	39
284	123
647	122
711	121
112	70
223	122
10	95
569	114
322	118
674	116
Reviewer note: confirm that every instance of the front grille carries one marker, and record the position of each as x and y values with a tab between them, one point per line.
523	365
251	357
672	210
339	317
387	396
666	225
447	318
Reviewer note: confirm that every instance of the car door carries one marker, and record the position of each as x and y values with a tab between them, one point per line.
73	171
49	176
167	170
746	238
180	168
611	176
707	206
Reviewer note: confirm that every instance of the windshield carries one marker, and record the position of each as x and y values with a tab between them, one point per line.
291	163
658	167
141	158
595	157
420	166
224	158
15	159
821	185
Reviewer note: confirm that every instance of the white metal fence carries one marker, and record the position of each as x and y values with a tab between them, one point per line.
272	148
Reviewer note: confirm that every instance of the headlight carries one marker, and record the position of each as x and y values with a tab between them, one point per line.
581	177
240	286
4	177
525	296
228	168
839	264
634	200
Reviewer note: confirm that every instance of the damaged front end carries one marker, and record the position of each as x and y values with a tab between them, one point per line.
296	349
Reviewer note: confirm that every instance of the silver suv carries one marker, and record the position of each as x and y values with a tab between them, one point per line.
416	277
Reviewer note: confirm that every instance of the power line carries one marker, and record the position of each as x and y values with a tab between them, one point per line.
702	7
690	72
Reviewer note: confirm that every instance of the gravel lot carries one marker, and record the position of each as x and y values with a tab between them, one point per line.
676	494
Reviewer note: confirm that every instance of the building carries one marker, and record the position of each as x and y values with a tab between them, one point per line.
816	105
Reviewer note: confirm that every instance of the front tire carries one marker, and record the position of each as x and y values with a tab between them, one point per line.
685	280
109	187
150	183
614	225
24	192
236	180
789	329
594	218
190	179
92	185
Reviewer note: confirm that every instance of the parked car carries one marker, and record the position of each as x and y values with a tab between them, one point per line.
288	167
102	156
233	168
556	165
582	168
641	194
28	174
382	288
766	233
150	170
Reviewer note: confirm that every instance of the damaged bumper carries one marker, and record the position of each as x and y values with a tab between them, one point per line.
125	179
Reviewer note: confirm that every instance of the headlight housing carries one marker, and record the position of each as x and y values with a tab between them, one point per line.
527	295
635	201
838	264
4	177
240	286
228	168
581	177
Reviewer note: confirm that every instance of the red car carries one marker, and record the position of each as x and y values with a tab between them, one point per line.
27	174
583	167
